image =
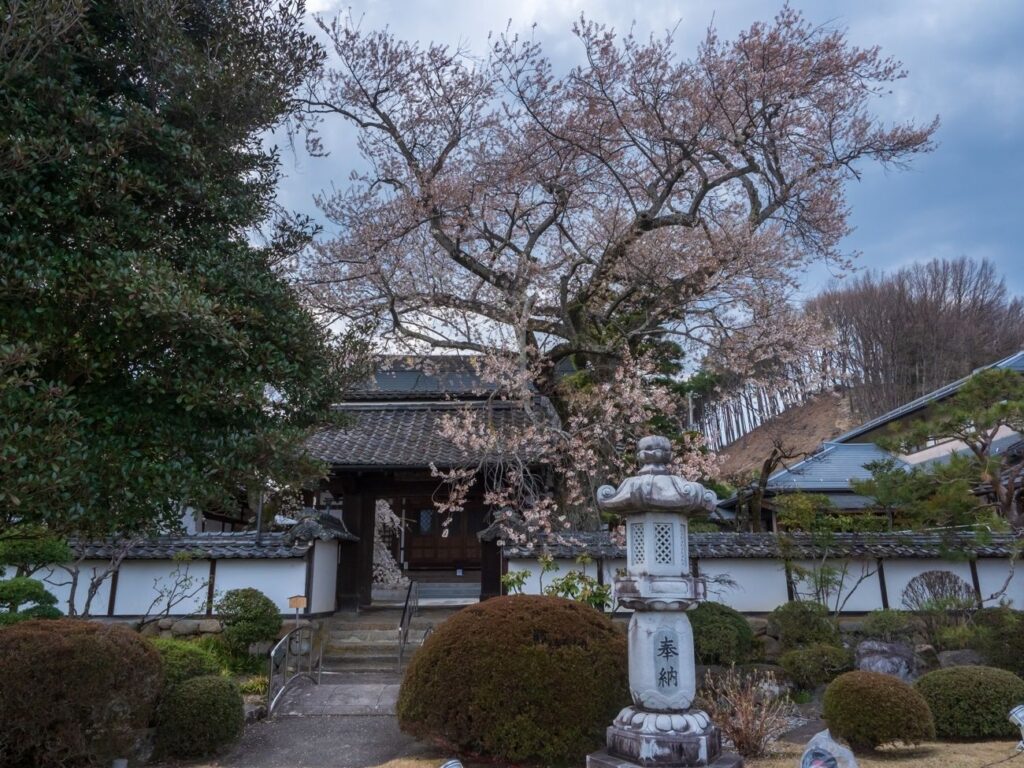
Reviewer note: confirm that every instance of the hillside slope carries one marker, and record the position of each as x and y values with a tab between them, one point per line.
799	430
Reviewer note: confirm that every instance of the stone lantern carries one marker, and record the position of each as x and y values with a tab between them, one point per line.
661	728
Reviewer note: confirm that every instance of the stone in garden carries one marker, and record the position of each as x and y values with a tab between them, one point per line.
149	630
165	623
822	751
185	627
927	658
962	658
896	659
770	647
758	625
210	626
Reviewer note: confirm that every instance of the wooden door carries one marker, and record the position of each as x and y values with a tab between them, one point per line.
427	545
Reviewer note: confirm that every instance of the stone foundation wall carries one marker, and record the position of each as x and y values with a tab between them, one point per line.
176	627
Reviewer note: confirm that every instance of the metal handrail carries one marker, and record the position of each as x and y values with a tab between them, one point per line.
409	609
300	653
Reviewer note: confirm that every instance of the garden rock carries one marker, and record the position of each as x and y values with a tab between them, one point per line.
927	658
210	627
822	750
896	659
185	627
758	625
963	658
771	648
165	623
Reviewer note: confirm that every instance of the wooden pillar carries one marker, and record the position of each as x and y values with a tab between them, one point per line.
364	562
490	569
348	556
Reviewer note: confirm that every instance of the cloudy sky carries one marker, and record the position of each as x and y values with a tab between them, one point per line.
966	64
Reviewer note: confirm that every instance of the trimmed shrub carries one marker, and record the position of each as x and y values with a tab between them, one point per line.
21	590
184	660
520	679
868	709
1001	641
249	617
972	702
720	634
820	664
800	623
199	717
890	626
73	692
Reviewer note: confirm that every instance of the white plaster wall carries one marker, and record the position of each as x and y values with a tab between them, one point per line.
278	579
55	578
898	574
853	596
325	576
139	580
760	584
992	573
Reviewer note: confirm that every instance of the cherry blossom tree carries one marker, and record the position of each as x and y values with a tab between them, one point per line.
639	207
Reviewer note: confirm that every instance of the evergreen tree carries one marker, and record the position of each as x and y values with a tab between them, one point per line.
151	353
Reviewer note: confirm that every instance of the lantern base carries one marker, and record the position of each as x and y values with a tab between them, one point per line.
603	759
663	740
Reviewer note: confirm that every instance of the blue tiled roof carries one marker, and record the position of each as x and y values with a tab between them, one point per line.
1014	362
833	468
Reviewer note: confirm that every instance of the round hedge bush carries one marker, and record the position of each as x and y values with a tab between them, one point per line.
720	634
249	617
820	664
520	679
73	692
183	660
199	716
869	709
800	623
972	702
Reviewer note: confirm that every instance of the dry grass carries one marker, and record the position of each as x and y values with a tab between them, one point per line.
935	755
932	755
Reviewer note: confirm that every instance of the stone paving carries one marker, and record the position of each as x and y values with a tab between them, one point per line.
340	695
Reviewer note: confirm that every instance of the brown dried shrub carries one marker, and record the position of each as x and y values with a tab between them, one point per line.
73	692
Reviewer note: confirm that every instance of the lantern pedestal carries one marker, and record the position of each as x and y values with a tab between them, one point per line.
661	729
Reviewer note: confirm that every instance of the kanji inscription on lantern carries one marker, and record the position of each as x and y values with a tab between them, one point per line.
666	658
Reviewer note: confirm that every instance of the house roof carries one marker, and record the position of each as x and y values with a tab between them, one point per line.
1014	362
409	434
419	377
831	469
429	377
791	545
228	545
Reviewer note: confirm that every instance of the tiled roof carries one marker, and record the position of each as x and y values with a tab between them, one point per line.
204	546
832	468
228	545
792	545
406	434
1014	362
419	377
428	377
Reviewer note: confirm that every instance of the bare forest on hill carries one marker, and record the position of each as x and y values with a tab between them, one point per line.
895	336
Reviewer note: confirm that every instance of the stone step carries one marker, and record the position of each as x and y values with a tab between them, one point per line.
362	635
361	649
363	663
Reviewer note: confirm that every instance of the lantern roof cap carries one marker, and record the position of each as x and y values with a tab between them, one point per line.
654	488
